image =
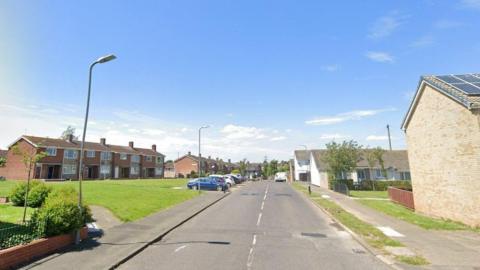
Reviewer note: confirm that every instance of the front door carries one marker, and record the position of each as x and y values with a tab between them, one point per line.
51	172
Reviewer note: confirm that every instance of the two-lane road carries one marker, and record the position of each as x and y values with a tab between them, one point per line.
264	225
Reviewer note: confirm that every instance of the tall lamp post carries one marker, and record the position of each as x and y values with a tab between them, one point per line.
199	149
100	60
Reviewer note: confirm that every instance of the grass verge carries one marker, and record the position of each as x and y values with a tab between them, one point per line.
13	214
127	199
400	212
373	236
369	194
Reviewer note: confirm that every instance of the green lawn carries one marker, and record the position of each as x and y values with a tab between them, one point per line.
5	187
128	199
12	214
369	194
408	215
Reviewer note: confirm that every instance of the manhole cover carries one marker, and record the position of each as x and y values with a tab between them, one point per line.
316	235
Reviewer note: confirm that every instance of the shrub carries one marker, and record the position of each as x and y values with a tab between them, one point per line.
384	184
36	195
348	182
60	213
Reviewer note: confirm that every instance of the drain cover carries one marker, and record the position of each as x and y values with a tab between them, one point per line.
316	235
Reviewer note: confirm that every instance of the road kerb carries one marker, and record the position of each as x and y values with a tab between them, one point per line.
355	236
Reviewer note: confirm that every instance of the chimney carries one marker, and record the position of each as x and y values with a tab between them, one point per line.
130	144
209	157
103	141
154	147
70	137
229	161
189	153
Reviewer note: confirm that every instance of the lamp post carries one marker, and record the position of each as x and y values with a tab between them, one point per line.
100	60
199	149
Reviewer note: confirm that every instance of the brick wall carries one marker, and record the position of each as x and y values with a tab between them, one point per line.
185	166
14	168
443	139
400	196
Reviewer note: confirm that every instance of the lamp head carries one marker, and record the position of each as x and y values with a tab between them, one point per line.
106	58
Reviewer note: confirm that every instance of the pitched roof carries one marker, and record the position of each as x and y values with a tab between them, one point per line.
397	159
61	143
302	154
169	165
464	89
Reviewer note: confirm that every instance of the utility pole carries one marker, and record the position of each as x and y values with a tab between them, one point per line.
389	137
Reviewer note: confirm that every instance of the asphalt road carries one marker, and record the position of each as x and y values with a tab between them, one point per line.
263	225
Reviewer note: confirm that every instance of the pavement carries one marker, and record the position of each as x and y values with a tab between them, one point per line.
443	249
119	242
263	225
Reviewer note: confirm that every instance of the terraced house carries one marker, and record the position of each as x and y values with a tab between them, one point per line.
101	160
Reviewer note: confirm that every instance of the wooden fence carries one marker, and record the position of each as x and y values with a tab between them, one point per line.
402	197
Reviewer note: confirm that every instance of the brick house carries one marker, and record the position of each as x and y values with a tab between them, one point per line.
188	163
101	160
442	128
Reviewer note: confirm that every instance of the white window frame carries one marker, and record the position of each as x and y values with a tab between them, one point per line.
123	156
159	160
53	153
135	170
69	169
135	158
89	154
106	154
67	156
104	171
149	158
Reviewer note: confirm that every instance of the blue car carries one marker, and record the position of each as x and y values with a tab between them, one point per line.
205	183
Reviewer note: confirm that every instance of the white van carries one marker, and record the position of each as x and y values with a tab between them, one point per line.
281	177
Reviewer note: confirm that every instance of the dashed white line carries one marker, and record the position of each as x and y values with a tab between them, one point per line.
180	248
259	218
254	240
263	204
250	258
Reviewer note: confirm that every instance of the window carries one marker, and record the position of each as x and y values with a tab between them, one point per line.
135	158
70	154
90	154
123	156
105	169
158	171
405	176
105	155
134	170
361	175
379	174
51	151
69	169
149	158
160	160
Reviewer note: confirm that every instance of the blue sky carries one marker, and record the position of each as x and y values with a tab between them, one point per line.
266	75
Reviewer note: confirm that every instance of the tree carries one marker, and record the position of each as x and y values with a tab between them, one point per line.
3	161
243	167
342	158
29	158
67	132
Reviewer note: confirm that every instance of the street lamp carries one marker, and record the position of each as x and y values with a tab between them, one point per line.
199	150
100	60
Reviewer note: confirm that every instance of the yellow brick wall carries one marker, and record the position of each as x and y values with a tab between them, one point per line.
443	139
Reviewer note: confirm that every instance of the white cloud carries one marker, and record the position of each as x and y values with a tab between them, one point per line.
333	136
424	41
342	117
242	132
386	25
382	57
377	138
474	4
153	131
331	68
279	138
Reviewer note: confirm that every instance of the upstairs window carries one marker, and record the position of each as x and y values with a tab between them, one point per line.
149	158
160	160
90	154
51	151
106	156
135	158
70	154
123	156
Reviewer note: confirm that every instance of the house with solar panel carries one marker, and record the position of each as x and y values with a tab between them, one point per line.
442	128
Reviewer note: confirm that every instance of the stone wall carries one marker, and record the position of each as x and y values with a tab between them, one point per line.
443	139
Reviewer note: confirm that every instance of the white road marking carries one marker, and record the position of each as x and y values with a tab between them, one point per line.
259	218
250	258
254	240
263	204
390	232
180	248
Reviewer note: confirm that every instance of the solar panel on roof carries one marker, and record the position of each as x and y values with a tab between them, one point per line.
467	88
469	78
449	79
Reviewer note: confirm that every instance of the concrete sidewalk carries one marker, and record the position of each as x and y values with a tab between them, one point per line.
443	249
120	242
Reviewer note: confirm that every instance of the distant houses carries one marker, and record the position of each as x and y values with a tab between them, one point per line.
442	128
188	164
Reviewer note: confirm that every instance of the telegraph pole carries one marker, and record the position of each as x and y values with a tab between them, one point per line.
389	137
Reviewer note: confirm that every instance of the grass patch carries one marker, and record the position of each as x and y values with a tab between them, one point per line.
372	235
400	212
128	199
369	194
6	186
13	214
413	260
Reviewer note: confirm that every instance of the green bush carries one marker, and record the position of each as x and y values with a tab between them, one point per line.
36	195
348	182
384	184
60	213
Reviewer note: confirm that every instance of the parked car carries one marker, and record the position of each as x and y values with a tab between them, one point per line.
280	177
234	178
205	183
230	182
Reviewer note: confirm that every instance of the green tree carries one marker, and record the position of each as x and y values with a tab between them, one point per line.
341	157
67	132
3	161
243	167
29	158
273	167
